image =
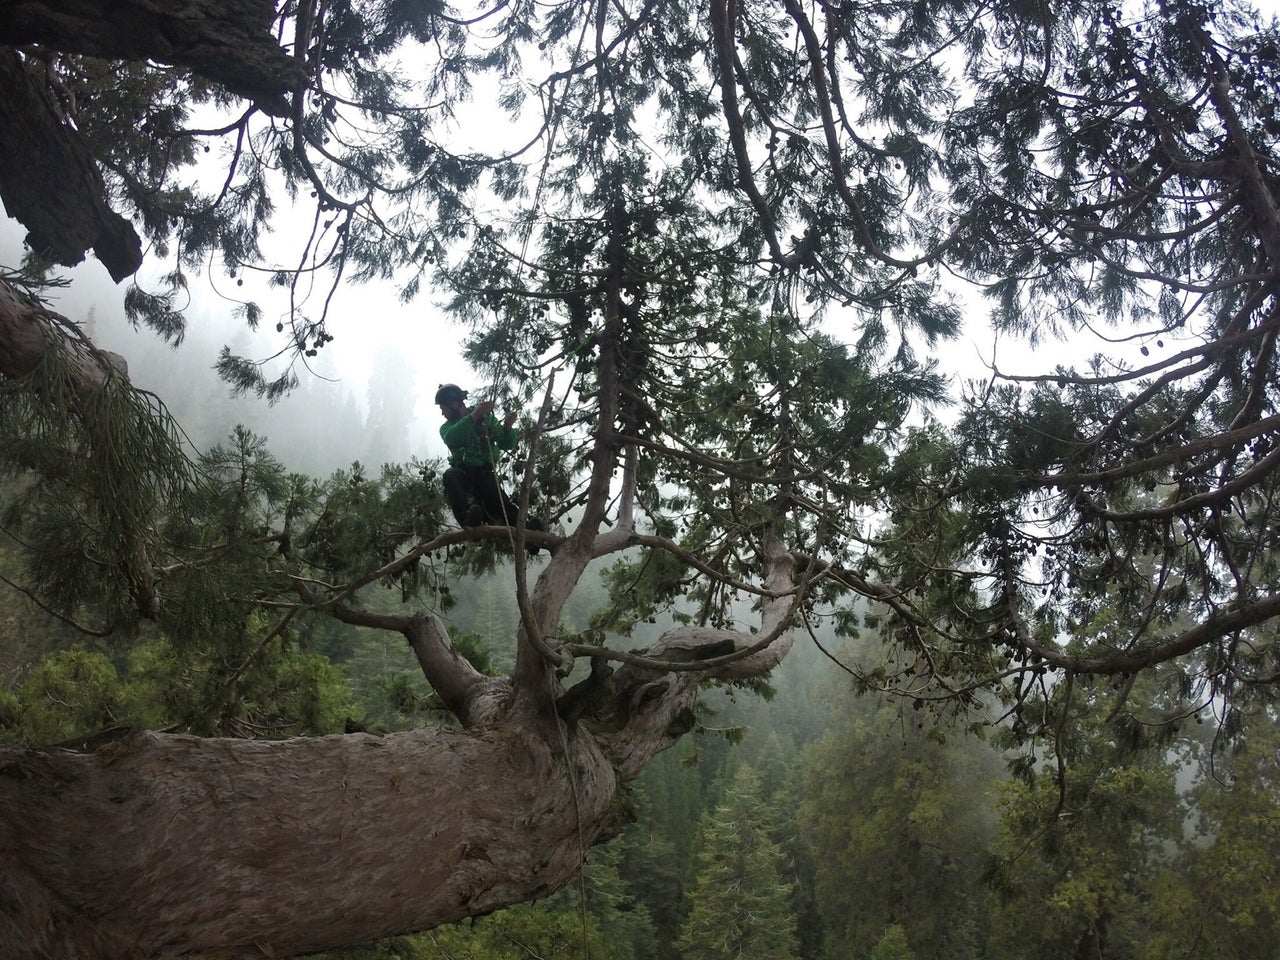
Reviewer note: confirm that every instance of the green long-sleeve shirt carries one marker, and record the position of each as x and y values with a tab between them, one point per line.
467	448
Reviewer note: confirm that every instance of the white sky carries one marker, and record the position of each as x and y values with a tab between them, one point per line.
362	318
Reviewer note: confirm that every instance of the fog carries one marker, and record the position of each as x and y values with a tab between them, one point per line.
367	396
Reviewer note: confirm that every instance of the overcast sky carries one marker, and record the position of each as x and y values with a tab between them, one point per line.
365	317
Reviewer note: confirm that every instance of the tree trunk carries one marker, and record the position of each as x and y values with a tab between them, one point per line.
156	845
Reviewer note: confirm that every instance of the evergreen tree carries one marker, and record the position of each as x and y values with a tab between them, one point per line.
740	898
620	914
660	848
897	818
892	946
1089	839
718	270
1232	909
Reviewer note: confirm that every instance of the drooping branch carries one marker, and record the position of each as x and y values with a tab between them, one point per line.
1225	441
35	339
37	601
1213	498
611	544
818	81
723	20
1261	198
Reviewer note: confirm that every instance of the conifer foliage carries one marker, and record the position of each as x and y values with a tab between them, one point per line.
717	256
740	901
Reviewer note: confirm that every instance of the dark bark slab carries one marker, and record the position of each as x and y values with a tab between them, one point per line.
49	181
226	41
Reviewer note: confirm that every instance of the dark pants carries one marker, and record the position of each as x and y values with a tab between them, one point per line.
475	498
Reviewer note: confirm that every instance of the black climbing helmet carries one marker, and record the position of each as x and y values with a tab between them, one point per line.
450	393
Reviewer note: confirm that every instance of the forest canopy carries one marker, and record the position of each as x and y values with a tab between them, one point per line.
717	261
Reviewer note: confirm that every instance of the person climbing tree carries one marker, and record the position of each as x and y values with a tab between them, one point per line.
474	437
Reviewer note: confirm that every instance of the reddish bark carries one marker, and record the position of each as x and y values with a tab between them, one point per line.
153	846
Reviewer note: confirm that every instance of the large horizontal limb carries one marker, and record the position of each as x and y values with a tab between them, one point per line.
226	41
1213	628
158	845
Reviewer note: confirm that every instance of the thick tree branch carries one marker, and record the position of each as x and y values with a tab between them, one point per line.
153	845
1227	440
723	20
1215	627
534	674
226	41
50	181
470	696
519	535
29	332
467	693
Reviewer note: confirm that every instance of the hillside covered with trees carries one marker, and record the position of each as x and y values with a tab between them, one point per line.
715	253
